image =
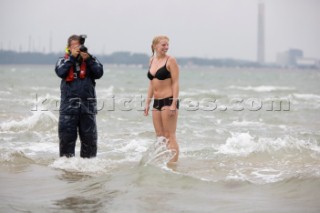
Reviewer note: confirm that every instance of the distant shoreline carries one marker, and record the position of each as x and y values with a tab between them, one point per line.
141	67
136	60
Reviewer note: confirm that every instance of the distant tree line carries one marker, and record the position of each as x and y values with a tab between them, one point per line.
126	58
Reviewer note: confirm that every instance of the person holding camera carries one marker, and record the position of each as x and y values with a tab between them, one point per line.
78	71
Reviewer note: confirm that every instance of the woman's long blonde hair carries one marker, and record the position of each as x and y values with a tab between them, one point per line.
156	40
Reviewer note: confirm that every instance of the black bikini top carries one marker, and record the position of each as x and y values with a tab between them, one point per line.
161	74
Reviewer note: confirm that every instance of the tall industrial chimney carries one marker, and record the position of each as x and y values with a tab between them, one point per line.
261	50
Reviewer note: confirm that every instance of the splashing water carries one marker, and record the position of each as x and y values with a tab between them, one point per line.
158	153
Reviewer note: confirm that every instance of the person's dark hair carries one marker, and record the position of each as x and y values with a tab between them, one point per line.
72	38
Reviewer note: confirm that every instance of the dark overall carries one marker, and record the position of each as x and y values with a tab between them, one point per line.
78	107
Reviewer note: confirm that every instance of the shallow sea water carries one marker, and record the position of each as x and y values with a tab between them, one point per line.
249	142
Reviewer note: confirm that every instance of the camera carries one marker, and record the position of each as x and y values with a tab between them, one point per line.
83	48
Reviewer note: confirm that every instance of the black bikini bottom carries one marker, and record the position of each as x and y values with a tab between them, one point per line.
159	103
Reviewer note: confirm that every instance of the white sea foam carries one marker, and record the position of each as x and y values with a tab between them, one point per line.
5	93
48	96
83	165
238	144
261	88
246	123
257	176
266	175
134	146
308	97
34	149
44	88
13	156
197	92
40	152
38	120
106	92
243	144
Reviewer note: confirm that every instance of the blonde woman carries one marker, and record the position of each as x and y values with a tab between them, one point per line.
163	74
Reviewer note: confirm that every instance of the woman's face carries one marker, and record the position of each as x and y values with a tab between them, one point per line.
162	47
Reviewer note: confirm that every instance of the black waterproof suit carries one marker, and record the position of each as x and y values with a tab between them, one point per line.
78	107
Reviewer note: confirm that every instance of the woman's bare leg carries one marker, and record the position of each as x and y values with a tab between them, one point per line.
169	127
157	122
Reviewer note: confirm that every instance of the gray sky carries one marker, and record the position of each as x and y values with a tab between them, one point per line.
202	28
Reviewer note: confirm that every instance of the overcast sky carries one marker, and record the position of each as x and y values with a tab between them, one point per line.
202	28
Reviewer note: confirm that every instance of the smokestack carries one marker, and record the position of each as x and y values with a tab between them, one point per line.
261	49
50	43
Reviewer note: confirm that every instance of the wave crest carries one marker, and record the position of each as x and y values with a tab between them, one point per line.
14	157
262	88
43	120
82	165
243	144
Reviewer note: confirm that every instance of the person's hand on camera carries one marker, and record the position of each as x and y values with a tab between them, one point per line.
75	52
84	55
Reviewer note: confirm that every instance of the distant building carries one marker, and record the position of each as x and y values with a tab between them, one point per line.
308	63
293	58
289	58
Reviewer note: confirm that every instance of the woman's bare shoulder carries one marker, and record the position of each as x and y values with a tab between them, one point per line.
172	59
